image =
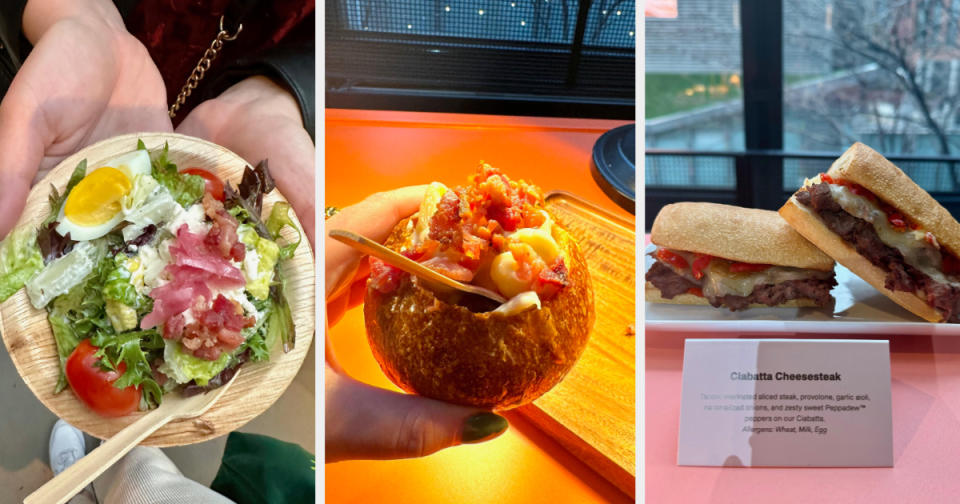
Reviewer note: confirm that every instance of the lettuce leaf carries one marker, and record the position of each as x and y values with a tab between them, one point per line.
77	315
20	259
118	287
185	189
135	349
183	367
280	218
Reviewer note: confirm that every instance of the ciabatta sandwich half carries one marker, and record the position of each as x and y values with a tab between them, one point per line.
871	217
734	257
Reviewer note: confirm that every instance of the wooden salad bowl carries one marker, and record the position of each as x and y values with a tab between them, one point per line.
29	338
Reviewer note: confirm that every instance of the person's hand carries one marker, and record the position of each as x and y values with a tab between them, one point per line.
257	119
86	79
365	422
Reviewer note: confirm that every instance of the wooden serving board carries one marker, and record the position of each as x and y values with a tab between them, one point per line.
29	339
592	411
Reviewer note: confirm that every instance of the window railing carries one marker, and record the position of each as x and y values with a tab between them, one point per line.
767	178
552	57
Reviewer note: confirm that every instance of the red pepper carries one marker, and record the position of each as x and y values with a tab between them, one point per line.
700	264
741	267
827	178
896	220
696	291
671	258
859	190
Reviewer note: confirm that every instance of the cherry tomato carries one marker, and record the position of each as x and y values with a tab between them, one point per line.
742	267
95	387
671	258
700	264
696	291
214	185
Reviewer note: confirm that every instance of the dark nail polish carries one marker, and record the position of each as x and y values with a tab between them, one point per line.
483	426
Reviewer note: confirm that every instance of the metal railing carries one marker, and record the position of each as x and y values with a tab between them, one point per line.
767	178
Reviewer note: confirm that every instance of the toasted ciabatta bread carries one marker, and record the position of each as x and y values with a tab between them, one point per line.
812	228
735	233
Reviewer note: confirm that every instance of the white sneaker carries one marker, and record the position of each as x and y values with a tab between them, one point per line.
66	446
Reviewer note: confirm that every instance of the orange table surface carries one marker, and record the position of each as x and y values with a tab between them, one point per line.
370	151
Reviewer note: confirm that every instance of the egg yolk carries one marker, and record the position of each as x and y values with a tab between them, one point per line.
98	197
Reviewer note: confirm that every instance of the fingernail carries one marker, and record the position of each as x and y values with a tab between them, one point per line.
483	426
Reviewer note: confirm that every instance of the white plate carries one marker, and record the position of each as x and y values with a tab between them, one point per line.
860	309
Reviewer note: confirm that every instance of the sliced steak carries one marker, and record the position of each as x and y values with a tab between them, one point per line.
668	281
776	294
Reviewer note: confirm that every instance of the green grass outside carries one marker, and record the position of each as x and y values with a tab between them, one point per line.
670	93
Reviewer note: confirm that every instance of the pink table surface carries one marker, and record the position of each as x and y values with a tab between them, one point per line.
925	376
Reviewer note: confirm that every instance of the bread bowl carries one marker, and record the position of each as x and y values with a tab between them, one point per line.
495	233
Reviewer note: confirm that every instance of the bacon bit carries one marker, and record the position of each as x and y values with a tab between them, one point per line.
173	327
552	280
445	223
216	330
700	264
630	331
384	278
223	233
473	250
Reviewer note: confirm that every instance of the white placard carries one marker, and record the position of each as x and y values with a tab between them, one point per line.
786	402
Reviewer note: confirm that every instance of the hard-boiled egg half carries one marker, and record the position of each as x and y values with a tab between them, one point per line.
95	205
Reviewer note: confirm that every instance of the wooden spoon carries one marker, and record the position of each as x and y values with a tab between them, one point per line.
409	265
72	480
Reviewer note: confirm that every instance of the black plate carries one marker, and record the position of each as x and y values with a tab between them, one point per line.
614	165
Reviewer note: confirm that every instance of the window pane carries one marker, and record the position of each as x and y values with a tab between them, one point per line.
883	73
693	92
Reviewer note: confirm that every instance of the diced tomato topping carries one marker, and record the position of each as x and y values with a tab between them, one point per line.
700	264
696	291
384	278
742	267
671	258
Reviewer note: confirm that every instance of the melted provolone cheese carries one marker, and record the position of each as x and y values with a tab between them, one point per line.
719	281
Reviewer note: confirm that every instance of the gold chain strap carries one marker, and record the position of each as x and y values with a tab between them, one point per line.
203	66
